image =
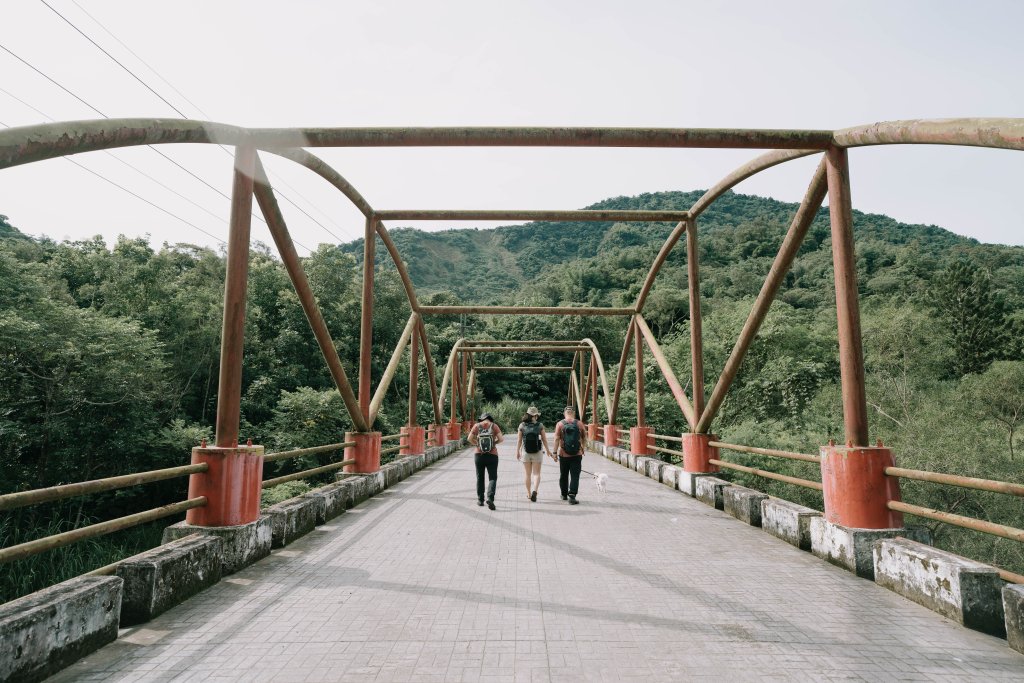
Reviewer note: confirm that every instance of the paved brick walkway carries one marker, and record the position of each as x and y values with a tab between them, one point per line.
640	583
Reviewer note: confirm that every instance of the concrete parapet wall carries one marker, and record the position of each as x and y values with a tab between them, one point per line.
46	631
653	468
963	590
332	500
158	579
853	549
709	491
1013	609
744	504
640	464
788	521
292	519
240	545
670	475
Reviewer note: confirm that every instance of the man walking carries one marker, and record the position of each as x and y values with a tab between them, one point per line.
570	441
486	435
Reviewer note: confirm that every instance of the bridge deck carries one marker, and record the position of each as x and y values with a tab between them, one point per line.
640	583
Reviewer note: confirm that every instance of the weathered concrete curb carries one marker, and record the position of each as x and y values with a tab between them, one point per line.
291	519
670	475
788	521
709	491
241	545
744	504
963	590
331	501
48	630
1013	608
853	549
158	579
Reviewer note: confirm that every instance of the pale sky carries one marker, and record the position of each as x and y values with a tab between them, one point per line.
640	63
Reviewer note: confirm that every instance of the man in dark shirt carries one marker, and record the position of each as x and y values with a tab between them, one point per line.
486	459
570	432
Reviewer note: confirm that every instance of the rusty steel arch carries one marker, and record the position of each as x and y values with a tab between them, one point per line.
27	144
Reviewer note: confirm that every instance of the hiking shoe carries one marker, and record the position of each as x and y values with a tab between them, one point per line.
565	496
573	501
480	503
490	504
533	497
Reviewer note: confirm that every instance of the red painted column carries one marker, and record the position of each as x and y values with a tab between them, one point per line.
697	453
232	485
454	430
856	489
366	452
440	433
466	426
611	435
592	431
640	440
412	441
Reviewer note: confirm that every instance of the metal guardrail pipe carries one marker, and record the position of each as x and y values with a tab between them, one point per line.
521	342
665	437
20	499
523	310
956	480
393	449
806	483
284	455
390	437
766	451
582	215
306	473
542	368
23	550
666	450
520	349
959	520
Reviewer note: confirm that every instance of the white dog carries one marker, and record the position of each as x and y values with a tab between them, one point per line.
601	481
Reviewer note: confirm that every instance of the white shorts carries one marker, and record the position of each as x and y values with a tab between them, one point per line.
533	457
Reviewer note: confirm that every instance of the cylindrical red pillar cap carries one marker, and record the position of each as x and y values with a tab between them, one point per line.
366	452
232	485
856	488
611	435
697	453
640	440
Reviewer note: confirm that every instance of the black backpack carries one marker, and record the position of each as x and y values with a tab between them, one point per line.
531	436
485	437
571	437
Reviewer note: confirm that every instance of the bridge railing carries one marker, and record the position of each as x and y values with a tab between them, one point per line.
963	521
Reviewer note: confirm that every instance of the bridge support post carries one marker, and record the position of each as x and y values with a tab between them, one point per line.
611	436
366	452
413	441
454	430
593	432
466	426
697	453
232	485
640	440
857	493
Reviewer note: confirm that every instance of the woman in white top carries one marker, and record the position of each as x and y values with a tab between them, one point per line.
531	438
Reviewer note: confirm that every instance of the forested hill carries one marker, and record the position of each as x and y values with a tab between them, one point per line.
489	265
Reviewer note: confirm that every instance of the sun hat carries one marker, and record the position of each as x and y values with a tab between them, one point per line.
532	410
486	416
568	408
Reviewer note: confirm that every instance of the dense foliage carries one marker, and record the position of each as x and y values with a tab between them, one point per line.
108	357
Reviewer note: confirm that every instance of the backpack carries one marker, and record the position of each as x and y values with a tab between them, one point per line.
571	437
485	437
531	436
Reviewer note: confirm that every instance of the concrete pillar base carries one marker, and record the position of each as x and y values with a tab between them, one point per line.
366	452
440	434
454	431
853	549
241	545
232	485
593	430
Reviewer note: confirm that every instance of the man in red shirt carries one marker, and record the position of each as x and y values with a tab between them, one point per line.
570	441
486	434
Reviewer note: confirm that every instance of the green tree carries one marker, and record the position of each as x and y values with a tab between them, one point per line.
973	314
997	395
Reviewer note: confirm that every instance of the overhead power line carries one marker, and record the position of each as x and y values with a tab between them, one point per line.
168	102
